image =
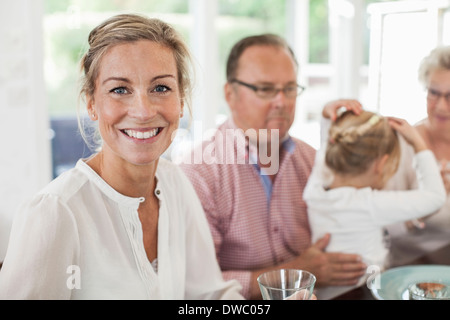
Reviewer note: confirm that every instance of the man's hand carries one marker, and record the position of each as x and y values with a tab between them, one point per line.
331	268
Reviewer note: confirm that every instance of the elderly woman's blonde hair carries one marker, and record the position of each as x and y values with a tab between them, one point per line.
438	59
356	141
127	28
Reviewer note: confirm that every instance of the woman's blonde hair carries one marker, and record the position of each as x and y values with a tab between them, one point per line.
356	141
127	28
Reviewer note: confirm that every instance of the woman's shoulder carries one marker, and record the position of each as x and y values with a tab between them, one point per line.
60	191
52	201
422	128
66	184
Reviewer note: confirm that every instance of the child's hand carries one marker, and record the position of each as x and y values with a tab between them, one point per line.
330	110
410	133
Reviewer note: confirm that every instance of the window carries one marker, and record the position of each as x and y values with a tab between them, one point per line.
331	39
421	26
238	19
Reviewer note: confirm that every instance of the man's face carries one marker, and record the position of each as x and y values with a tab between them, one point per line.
263	66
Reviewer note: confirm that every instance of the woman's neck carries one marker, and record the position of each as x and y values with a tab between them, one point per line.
127	179
437	141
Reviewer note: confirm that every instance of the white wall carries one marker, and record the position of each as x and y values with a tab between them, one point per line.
25	164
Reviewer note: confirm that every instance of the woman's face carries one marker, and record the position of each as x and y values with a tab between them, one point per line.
137	101
438	100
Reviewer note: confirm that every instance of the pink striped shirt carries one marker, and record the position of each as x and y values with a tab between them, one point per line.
254	223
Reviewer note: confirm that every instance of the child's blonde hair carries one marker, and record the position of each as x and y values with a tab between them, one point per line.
356	141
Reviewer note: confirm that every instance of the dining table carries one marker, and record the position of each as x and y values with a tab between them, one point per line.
440	257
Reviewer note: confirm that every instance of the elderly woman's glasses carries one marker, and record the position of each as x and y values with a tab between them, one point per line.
268	91
434	95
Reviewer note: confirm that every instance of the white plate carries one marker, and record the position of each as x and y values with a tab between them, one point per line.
394	282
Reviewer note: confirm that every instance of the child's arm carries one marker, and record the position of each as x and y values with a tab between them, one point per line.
410	133
391	206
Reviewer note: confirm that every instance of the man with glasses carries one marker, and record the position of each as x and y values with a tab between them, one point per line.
257	216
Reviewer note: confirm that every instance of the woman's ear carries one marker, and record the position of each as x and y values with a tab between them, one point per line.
182	108
90	106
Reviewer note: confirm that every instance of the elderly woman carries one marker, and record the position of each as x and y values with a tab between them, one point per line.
125	223
410	240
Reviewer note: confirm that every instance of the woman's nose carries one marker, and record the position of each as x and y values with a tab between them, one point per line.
442	104
142	107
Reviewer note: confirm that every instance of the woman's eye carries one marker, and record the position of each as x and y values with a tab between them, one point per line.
434	92
120	90
161	89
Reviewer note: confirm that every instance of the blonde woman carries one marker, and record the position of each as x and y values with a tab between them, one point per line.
125	223
344	195
417	237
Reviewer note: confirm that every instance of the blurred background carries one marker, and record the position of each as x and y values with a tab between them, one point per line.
364	49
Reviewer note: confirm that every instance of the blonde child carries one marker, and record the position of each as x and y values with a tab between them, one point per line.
344	195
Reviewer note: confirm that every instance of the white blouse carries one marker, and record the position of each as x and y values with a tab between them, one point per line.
81	239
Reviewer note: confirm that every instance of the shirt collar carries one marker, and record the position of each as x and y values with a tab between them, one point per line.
109	191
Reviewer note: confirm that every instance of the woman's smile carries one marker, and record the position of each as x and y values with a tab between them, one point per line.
142	134
440	117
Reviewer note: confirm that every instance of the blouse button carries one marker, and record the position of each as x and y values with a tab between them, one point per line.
158	192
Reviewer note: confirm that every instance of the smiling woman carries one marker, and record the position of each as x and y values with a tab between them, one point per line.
124	217
140	99
122	88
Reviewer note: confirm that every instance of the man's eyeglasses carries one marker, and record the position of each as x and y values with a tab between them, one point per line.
434	96
268	91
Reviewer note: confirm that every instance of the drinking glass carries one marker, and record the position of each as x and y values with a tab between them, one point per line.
287	284
429	291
